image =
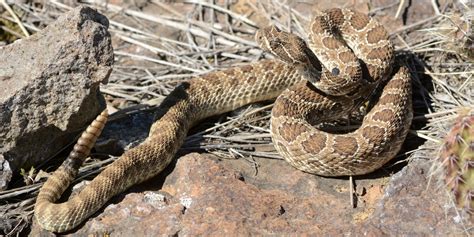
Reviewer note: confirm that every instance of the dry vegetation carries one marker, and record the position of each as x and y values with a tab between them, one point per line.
155	52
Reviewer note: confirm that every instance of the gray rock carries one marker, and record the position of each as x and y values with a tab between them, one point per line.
49	86
5	173
414	204
125	130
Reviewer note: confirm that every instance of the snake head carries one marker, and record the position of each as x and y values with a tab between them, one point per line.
263	34
286	46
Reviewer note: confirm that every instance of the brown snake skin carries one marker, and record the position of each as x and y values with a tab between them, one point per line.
307	93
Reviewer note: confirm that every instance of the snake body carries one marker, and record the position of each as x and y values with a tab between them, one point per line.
308	93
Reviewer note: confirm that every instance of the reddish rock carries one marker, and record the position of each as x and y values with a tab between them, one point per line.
206	196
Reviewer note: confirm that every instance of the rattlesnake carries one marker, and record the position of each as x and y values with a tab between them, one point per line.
308	94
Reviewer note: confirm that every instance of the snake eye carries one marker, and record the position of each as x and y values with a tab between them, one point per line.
258	35
335	71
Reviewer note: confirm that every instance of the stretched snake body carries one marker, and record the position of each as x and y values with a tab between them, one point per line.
307	93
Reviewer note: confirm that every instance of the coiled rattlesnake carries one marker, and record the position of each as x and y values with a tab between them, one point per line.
307	93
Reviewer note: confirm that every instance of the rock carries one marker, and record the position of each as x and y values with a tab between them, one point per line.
125	130
49	86
5	173
413	204
206	196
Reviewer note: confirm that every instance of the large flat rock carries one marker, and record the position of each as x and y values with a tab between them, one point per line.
205	196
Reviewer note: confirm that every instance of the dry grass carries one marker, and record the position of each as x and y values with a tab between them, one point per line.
155	52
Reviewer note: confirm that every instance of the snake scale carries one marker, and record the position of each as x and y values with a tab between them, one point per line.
348	57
